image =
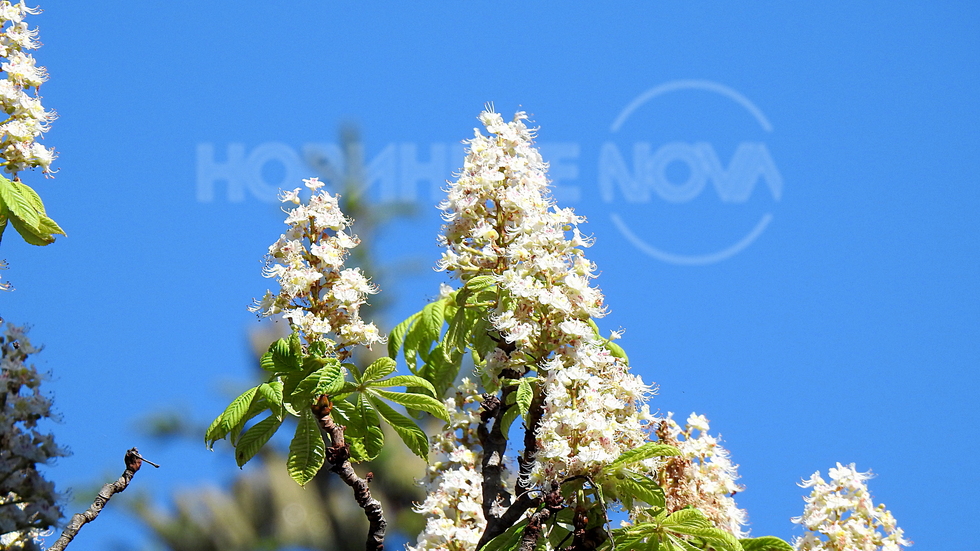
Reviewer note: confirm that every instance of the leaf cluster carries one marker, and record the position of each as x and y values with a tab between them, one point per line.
300	377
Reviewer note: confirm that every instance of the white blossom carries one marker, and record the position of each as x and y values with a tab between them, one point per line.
840	515
453	507
26	120
501	220
703	475
317	294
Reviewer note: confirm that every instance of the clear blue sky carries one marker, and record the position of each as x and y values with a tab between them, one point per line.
829	313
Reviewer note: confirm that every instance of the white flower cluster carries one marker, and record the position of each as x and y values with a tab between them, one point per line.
703	475
501	220
453	506
842	512
26	118
28	502
317	294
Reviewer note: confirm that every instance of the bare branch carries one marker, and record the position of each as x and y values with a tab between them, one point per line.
133	461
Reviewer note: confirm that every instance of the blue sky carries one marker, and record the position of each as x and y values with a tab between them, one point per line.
844	326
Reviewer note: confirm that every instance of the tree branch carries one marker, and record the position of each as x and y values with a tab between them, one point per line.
133	461
338	455
494	442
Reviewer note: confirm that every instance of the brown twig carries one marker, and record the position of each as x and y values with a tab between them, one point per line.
133	461
338	455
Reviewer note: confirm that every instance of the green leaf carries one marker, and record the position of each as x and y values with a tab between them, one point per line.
406	381
456	334
765	543
266	363
410	433
254	438
232	416
31	236
307	451
482	343
328	377
20	205
374	439
272	392
397	336
414	401
524	396
282	356
643	488
432	319
646	451
382	367
689	518
216	431
510	414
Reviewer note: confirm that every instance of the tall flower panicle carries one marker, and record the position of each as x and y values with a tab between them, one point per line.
318	295
27	120
29	504
453	507
703	476
840	515
501	220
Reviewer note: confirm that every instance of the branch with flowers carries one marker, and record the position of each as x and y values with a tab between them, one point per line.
551	435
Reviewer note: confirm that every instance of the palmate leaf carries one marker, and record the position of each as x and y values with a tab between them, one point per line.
307	450
414	401
410	433
254	438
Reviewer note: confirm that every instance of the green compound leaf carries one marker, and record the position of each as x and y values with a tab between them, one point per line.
410	433
765	543
307	451
646	451
524	396
382	367
414	401
254	438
